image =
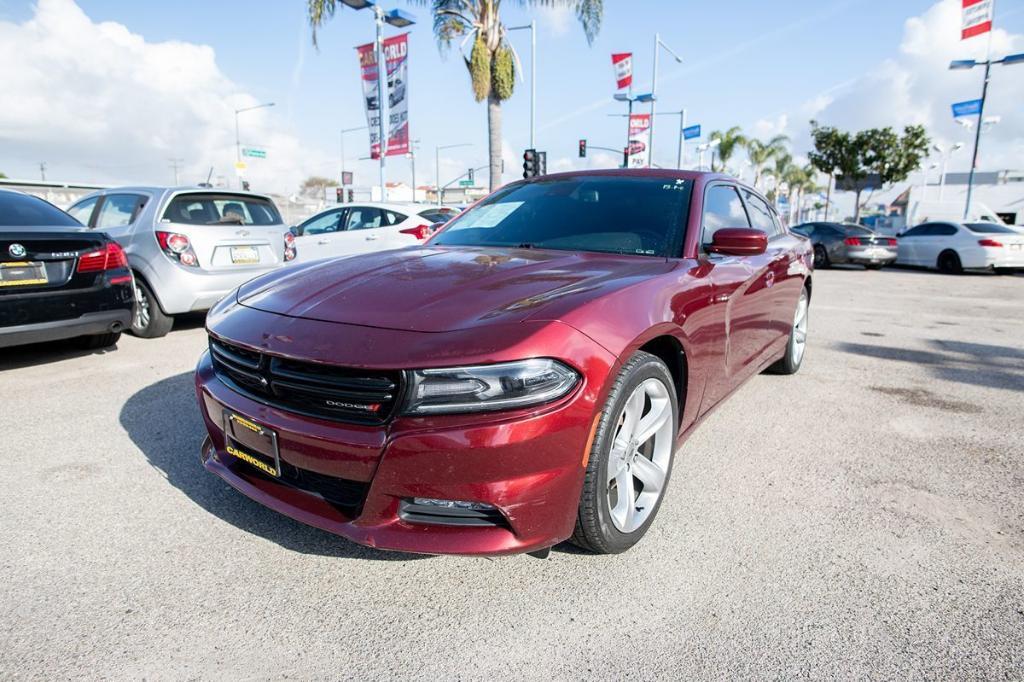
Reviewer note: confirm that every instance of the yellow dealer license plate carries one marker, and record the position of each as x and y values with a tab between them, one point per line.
244	255
22	274
251	443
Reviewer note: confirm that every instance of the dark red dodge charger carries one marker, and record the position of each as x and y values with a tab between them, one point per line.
523	378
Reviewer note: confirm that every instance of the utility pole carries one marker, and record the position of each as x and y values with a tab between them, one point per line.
532	27
176	164
654	89
42	170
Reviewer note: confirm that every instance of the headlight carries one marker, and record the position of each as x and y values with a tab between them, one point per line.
485	388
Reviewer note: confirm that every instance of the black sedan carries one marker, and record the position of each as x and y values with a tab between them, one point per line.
848	243
59	280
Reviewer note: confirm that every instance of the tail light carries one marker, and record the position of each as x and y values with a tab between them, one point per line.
421	232
891	242
177	247
989	242
110	257
852	241
289	246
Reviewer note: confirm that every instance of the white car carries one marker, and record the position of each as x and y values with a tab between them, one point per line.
954	247
352	229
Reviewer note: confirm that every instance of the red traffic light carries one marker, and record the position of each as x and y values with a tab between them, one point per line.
583	149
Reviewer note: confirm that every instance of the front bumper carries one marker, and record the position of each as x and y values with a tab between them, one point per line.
529	465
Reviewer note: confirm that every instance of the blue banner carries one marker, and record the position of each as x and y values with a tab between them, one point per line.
971	107
691	132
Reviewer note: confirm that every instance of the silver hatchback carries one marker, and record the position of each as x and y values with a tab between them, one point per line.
188	246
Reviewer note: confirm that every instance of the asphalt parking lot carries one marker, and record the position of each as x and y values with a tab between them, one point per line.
864	518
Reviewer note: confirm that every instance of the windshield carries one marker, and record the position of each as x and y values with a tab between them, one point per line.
225	209
988	228
23	210
607	214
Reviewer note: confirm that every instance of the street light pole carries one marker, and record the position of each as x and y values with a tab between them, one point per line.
238	142
532	27
382	104
970	64
343	131
437	165
654	90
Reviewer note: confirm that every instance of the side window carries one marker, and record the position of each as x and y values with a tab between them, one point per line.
82	211
918	231
363	218
117	210
760	214
392	218
722	208
329	222
942	230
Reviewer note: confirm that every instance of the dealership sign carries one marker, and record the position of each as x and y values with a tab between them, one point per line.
622	62
976	18
396	56
639	149
971	107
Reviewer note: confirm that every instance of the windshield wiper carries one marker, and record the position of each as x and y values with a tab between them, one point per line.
526	245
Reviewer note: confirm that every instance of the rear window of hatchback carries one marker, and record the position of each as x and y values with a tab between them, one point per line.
220	209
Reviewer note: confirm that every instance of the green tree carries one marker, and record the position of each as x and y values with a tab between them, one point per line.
876	151
491	60
760	153
728	142
314	186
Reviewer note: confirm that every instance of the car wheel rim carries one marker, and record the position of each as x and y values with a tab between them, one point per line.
800	328
819	257
639	458
141	309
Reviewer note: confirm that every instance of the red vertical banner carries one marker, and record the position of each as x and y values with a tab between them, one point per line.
639	140
976	18
396	56
622	62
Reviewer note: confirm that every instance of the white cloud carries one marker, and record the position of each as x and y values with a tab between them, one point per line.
556	19
100	103
916	86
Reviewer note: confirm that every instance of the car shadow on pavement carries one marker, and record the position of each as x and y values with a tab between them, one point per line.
163	420
978	364
18	357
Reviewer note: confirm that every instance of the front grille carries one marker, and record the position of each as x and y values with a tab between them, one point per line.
336	393
347	496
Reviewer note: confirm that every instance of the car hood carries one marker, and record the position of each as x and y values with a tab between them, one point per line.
436	289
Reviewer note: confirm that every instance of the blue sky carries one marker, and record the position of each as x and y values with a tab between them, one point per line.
763	66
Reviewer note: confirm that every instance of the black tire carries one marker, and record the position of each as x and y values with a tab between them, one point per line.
595	531
873	266
96	341
949	263
821	259
148	320
791	362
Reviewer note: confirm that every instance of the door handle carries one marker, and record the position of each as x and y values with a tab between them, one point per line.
322	241
370	237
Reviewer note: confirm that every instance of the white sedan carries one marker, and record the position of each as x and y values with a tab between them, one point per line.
352	229
954	247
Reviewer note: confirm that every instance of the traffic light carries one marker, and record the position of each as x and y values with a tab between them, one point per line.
469	175
351	195
339	195
529	163
542	163
583	149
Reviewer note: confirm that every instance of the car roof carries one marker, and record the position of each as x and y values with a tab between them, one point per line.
180	189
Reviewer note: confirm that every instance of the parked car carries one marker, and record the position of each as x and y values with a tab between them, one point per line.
351	229
58	280
522	378
848	243
954	247
187	246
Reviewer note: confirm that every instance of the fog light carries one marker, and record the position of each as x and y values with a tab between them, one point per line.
452	504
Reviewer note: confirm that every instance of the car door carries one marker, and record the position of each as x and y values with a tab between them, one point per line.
365	230
116	214
83	210
317	235
906	245
735	308
775	287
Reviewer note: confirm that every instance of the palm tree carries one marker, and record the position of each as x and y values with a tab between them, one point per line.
728	141
760	153
491	61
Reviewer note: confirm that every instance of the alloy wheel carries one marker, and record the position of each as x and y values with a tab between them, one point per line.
141	309
800	328
639	458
